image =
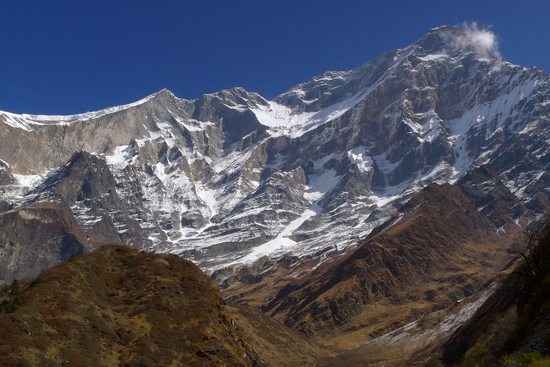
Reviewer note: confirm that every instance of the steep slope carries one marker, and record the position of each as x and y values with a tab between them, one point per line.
514	320
85	183
230	177
42	230
438	249
117	306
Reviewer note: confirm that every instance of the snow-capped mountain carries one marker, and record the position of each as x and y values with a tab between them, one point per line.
230	177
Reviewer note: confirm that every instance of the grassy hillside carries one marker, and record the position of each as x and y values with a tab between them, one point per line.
120	307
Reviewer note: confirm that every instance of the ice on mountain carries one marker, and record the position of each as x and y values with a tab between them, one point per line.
282	243
433	57
319	185
359	155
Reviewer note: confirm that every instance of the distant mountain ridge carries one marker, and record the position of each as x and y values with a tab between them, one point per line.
230	177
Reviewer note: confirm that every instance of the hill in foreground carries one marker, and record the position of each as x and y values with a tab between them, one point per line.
120	307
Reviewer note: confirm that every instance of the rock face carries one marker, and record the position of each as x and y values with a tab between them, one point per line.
230	177
118	306
36	237
6	177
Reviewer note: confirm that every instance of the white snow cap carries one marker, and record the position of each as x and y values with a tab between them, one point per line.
482	40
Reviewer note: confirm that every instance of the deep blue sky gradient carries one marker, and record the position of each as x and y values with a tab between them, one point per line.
70	56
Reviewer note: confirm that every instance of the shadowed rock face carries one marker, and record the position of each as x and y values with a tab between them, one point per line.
88	187
37	237
84	178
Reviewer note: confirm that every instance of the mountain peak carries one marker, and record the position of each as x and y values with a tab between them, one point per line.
164	92
26	121
238	97
455	40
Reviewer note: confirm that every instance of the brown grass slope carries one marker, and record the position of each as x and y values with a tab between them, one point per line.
119	307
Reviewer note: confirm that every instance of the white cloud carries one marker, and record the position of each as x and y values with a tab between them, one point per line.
481	40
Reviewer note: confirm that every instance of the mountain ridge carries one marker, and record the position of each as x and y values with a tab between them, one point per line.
230	177
443	34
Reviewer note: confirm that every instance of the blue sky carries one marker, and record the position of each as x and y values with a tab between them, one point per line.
61	57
